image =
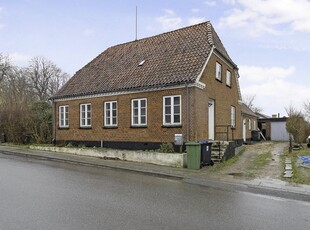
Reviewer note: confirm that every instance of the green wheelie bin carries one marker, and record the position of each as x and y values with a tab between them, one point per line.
193	150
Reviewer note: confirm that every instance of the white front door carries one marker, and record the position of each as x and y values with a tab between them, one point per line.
211	119
244	129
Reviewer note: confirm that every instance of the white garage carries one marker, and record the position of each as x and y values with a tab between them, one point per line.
278	130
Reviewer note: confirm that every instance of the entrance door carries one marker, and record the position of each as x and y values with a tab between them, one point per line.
244	130
211	119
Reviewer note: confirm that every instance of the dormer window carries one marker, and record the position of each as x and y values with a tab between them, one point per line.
141	63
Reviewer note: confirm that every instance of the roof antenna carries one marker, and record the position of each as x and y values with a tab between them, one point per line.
136	23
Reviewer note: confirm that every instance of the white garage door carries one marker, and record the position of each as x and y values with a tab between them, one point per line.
278	131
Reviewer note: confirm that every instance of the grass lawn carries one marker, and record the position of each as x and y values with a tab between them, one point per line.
220	166
301	175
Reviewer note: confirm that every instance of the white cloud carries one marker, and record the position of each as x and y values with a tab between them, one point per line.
88	32
259	16
274	88
195	10
169	21
196	20
1	25
210	3
256	74
19	59
231	2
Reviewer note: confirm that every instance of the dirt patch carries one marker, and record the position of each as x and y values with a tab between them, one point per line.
260	160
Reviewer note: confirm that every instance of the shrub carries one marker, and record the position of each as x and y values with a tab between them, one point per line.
166	147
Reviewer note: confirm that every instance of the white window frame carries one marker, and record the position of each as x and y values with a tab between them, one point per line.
87	115
254	125
63	116
172	122
108	114
250	124
139	116
218	71
228	78
233	116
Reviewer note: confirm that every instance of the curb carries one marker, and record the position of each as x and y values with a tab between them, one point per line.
80	162
254	189
208	182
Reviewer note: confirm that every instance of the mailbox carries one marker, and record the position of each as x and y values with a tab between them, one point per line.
178	139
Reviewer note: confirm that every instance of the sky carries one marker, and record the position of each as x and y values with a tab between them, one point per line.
269	40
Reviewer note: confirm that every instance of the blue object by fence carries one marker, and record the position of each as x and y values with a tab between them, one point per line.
306	159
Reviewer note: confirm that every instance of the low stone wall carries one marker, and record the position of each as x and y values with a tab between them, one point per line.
166	159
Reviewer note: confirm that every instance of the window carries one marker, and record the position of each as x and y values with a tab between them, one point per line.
228	78
139	112
64	116
218	74
172	110
110	112
254	124
85	115
233	116
250	124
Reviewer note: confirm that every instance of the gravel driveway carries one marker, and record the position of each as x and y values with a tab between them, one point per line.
245	167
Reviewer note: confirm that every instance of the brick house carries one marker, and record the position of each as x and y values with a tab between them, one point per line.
249	122
274	128
139	94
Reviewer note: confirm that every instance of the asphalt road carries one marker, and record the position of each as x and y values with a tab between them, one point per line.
38	194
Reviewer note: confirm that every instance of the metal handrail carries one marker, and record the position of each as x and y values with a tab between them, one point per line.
225	132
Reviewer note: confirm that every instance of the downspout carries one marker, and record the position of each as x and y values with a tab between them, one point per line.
187	112
54	123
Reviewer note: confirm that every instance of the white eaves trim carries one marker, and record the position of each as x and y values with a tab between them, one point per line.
199	85
238	85
223	60
203	69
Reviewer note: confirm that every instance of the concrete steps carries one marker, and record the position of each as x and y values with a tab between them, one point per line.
218	150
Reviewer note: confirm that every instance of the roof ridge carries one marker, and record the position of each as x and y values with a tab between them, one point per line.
210	36
209	32
168	32
171	58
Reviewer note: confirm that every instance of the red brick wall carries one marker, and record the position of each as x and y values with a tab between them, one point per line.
248	130
224	97
124	132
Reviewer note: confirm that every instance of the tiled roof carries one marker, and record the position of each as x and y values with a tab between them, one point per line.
246	110
262	116
170	58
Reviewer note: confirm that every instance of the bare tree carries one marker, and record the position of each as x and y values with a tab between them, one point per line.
41	122
45	77
5	66
25	114
307	110
295	124
15	98
249	101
